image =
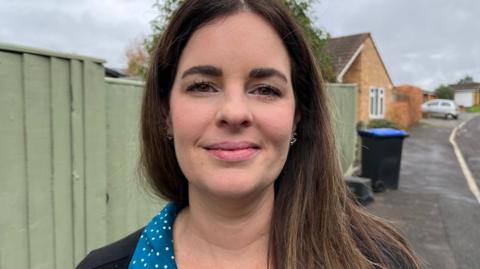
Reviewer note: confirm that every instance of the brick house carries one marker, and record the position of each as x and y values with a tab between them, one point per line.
428	95
356	60
467	94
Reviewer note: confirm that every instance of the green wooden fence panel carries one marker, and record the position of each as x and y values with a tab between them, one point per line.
36	81
14	242
95	148
78	161
343	104
129	207
62	162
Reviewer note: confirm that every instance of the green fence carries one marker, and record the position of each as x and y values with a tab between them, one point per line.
67	163
343	104
69	153
129	206
52	116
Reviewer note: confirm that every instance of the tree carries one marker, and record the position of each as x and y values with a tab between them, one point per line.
444	92
137	57
300	9
165	9
466	79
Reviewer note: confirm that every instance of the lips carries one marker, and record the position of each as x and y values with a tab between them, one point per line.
233	151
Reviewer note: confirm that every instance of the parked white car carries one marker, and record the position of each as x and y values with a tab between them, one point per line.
441	107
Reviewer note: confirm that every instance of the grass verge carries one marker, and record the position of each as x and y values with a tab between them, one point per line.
474	109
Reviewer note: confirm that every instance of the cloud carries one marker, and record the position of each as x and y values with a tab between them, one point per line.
423	42
102	29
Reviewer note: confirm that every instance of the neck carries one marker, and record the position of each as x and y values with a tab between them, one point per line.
224	230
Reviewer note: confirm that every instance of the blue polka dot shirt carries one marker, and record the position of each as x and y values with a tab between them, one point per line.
155	246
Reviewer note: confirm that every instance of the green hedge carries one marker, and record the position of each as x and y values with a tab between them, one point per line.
382	124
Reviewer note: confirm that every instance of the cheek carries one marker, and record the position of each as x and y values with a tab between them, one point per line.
277	124
186	118
188	122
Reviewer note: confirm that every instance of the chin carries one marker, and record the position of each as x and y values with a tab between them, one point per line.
233	186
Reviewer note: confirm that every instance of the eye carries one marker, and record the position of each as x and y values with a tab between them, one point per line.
265	90
201	87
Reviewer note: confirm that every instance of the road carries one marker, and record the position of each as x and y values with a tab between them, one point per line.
433	206
468	139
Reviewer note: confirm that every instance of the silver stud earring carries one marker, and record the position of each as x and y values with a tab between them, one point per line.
168	135
293	139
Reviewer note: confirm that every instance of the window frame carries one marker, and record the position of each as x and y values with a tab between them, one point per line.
376	102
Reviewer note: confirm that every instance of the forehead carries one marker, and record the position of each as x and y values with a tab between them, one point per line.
241	40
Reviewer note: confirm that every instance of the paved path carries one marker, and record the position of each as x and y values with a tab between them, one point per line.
433	206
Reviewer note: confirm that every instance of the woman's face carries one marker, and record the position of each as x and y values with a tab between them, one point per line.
232	107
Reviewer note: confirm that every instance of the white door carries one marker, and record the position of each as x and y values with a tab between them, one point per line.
464	98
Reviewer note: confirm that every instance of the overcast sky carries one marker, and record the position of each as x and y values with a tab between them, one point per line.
422	42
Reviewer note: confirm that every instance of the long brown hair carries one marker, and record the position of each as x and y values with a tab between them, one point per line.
315	223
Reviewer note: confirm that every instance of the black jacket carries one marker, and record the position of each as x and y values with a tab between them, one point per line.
116	255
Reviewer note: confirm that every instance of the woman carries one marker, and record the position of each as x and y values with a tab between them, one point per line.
236	134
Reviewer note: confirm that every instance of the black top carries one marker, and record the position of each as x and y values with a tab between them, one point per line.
116	255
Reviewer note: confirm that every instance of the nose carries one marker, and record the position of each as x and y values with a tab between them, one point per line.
234	111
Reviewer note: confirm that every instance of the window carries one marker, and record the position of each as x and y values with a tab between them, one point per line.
377	103
433	103
445	104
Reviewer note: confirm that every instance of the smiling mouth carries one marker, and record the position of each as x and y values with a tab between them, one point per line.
233	152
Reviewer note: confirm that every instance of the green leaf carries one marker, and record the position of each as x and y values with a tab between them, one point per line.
445	92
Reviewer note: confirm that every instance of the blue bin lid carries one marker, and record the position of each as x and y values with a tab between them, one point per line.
383	132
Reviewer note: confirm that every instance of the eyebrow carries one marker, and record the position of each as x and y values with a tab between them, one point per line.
266	73
213	71
203	70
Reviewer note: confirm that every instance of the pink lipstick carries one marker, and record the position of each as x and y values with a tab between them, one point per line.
233	151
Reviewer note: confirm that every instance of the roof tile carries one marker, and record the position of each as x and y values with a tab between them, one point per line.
341	49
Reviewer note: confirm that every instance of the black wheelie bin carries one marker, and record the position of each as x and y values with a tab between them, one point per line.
381	156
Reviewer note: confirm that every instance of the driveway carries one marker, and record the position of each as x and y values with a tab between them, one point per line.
433	206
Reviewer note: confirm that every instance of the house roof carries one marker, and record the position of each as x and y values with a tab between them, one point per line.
342	50
427	92
466	86
114	73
